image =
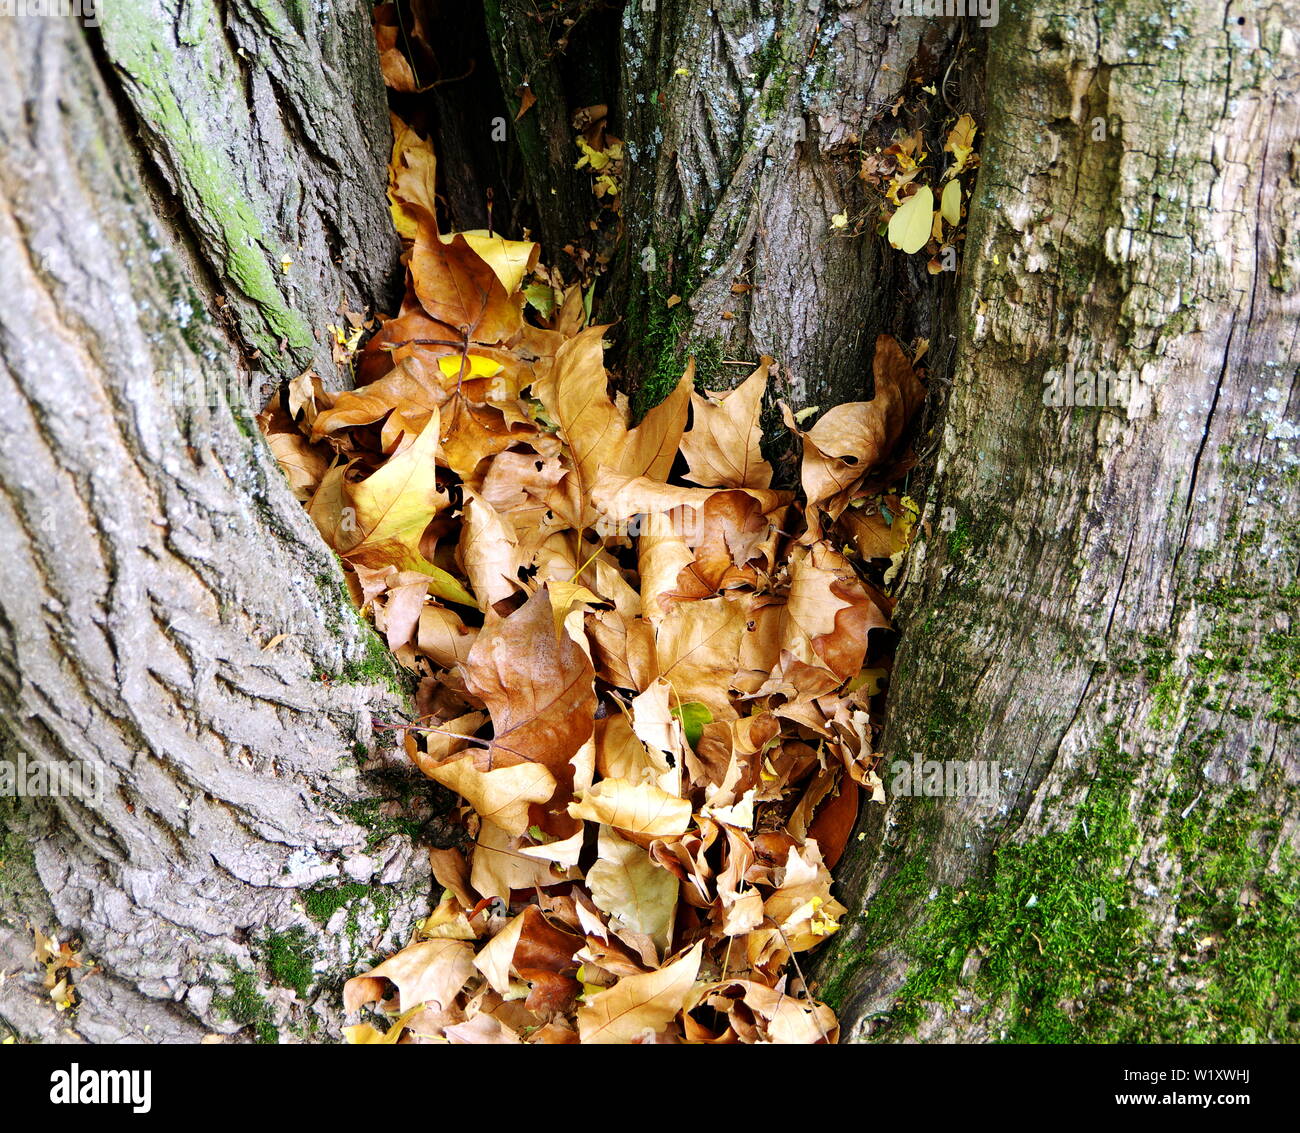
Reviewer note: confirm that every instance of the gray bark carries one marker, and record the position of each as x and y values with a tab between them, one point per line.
745	125
268	126
1110	615
153	552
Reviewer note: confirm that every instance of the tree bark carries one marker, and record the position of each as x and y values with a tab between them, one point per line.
267	124
169	615
745	127
1109	614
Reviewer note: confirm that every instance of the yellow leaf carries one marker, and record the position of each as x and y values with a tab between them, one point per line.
950	202
909	228
626	883
510	260
501	795
363	1034
433	971
477	366
392	507
638	808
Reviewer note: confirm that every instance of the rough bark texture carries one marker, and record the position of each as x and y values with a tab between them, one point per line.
154	557
268	125
1110	614
1103	606
529	48
745	125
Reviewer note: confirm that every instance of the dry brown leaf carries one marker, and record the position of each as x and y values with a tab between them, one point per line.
634	808
538	686
638	1007
628	885
432	971
722	445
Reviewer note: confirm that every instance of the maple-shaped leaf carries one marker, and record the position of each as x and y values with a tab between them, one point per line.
769	1015
595	428
497	867
510	260
489	551
432	971
379	520
502	795
722	444
699	649
533	948
850	440
538	686
459	289
412	169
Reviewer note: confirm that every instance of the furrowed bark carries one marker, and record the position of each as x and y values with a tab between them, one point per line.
1105	606
745	126
168	615
529	56
268	125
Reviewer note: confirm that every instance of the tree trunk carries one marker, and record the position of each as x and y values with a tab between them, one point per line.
1100	604
1108	615
171	619
745	130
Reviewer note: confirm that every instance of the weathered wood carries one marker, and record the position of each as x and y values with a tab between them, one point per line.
168	615
1109	613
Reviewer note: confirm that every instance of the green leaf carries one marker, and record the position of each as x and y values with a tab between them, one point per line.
693	716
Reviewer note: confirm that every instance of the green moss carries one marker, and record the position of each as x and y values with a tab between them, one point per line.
665	339
1052	926
212	192
376	666
893	905
379	826
887	913
774	71
245	1005
323	902
1056	935
290	956
18	875
959	538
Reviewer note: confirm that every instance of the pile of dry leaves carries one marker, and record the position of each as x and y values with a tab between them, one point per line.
648	673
